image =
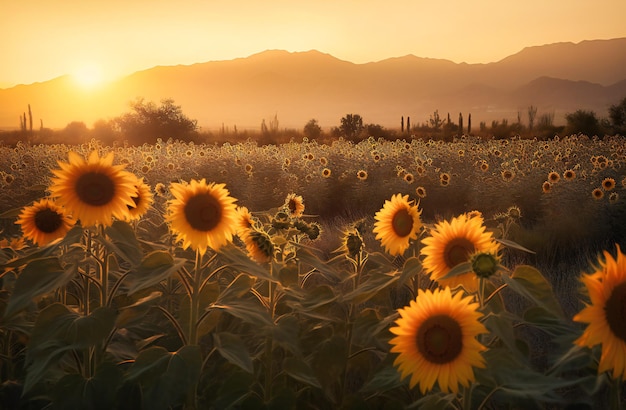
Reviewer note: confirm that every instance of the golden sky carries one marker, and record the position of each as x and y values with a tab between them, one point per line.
43	39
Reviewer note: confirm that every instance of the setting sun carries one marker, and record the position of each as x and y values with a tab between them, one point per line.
88	75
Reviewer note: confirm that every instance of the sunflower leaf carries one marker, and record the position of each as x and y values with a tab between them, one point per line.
38	277
512	244
232	348
154	267
530	283
166	376
411	268
301	371
459	269
123	242
58	330
370	287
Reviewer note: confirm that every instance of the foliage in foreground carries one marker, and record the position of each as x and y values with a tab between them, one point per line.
119	315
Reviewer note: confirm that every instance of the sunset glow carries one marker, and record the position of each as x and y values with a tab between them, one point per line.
88	75
45	39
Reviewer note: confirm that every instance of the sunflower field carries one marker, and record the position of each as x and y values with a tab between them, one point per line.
473	274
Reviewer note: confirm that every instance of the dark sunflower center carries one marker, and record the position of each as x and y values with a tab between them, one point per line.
48	221
95	189
439	339
293	205
203	212
402	223
457	251
615	309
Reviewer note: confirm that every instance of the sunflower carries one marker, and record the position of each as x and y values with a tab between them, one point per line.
452	243
553	177
507	175
259	246
420	191
397	223
546	187
295	205
361	174
436	340
202	215
245	222
409	178
93	191
326	172
143	199
44	221
597	194
569	174
605	314
608	184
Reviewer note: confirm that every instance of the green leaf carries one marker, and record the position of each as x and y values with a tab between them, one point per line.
38	277
232	348
513	245
314	301
237	288
155	267
541	318
286	333
248	310
306	257
242	261
530	283
370	287
123	242
459	269
387	378
58	330
412	267
73	391
330	359
132	313
166	377
301	371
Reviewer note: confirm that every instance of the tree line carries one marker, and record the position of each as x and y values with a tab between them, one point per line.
147	121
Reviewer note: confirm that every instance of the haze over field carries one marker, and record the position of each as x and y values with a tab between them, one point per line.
296	87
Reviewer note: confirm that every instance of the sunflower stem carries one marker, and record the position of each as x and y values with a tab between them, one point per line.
615	401
269	341
195	293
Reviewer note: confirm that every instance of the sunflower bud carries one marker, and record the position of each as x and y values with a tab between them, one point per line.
485	265
353	243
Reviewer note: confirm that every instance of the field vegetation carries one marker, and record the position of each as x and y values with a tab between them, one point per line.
351	271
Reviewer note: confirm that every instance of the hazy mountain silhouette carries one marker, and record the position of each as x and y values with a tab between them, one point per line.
557	78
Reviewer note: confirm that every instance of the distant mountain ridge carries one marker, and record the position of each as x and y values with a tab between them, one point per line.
298	86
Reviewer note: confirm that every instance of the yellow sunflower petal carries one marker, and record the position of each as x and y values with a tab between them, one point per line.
435	340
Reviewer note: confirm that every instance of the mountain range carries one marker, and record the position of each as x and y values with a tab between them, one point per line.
295	87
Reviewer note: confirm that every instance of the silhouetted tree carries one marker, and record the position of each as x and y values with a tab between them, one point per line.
147	122
469	124
408	124
312	130
582	121
460	124
617	117
75	131
351	126
435	121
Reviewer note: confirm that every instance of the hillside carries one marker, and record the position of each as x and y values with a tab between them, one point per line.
557	78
